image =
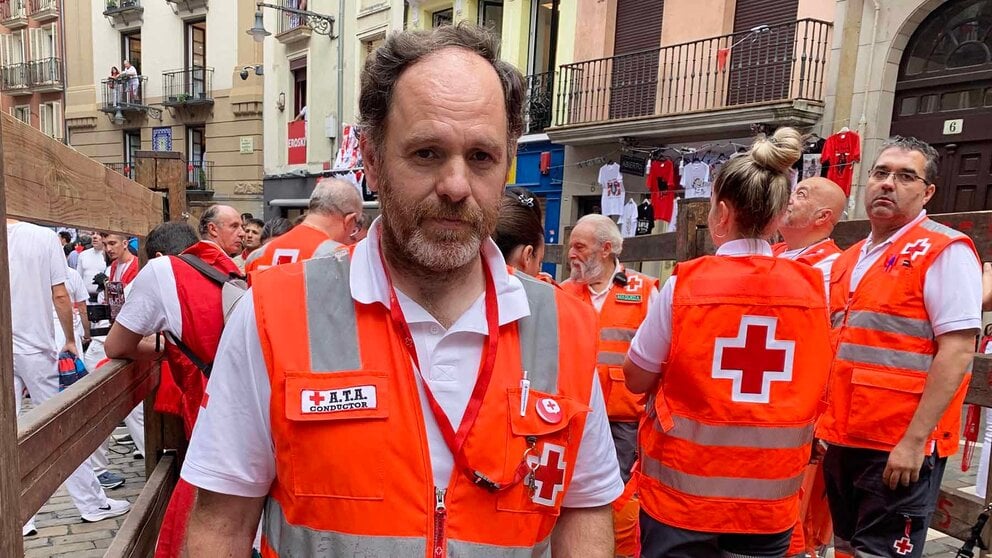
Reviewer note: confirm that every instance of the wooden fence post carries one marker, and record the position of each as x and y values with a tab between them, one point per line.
691	219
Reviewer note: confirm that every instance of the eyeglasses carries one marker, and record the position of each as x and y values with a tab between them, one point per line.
900	177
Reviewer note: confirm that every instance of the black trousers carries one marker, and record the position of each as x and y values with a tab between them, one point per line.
868	516
659	540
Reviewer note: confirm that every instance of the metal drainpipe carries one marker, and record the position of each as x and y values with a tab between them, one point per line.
340	115
65	72
863	122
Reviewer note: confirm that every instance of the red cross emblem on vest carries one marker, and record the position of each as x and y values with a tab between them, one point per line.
634	283
916	249
549	474
903	546
754	359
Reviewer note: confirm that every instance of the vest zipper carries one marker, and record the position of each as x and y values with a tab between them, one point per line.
440	515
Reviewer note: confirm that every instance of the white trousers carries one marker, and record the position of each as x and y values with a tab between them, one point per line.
39	373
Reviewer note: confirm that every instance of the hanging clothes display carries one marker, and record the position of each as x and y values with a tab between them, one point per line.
661	178
646	216
349	156
628	221
611	181
696	180
840	152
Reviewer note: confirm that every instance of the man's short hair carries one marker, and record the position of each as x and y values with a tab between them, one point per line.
66	235
85	240
402	49
333	196
277	226
254	221
909	143
209	215
169	238
605	230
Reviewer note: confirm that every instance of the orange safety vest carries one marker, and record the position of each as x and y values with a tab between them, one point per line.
353	467
813	254
623	311
298	244
729	428
885	345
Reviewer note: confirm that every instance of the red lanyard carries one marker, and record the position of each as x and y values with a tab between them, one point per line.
455	440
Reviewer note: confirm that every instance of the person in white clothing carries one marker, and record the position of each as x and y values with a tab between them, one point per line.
131	82
91	262
80	321
38	277
440	167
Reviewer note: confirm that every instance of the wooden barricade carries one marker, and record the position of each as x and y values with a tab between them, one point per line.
956	511
44	181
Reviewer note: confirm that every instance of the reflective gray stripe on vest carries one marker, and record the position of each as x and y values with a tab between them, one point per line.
327	248
616	334
891	324
940	229
740	436
303	542
892	358
721	487
462	549
539	335
837	318
331	324
610	358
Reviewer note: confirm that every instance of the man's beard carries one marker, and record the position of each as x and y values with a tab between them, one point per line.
585	272
408	234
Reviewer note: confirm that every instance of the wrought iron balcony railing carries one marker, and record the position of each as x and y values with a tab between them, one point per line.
43	10
46	74
769	64
124	94
538	104
199	175
192	86
13	14
15	78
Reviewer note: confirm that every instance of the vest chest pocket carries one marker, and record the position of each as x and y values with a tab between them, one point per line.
337	432
883	403
554	424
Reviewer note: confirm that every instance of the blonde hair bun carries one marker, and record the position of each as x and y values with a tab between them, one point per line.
778	152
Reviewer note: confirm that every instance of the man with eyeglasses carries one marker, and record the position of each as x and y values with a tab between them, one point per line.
905	306
334	218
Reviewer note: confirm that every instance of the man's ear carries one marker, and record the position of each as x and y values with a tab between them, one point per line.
371	164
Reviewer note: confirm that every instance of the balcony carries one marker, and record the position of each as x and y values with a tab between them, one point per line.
124	14
199	176
188	88
125	169
188	7
13	14
776	73
125	96
44	10
46	75
293	28
537	105
15	79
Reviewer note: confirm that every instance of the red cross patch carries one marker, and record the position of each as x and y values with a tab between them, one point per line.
548	474
903	546
634	283
754	359
285	255
916	249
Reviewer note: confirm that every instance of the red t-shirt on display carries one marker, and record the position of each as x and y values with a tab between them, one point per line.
662	177
840	152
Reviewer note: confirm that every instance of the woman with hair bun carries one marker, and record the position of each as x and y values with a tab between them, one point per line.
733	394
519	233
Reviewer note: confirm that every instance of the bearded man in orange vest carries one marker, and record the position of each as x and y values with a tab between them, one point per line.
905	305
409	396
621	297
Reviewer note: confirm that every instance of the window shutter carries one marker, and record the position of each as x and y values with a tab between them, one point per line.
46	118
5	49
57	120
22	47
53	48
35	48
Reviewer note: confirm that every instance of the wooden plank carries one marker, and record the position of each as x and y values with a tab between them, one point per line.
956	514
48	182
11	540
58	435
980	389
139	533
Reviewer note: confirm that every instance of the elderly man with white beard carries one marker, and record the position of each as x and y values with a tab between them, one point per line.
621	298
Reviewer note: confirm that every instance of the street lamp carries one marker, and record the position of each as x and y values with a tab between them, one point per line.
319	23
118	117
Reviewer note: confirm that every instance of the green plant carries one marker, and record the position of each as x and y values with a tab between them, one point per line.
183	97
111	4
203	179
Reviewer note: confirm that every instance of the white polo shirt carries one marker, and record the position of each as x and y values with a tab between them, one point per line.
231	450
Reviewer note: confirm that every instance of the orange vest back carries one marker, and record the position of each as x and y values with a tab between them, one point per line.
353	468
885	345
814	254
729	430
297	245
623	311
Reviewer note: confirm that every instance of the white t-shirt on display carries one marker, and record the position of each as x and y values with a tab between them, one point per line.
628	222
90	263
613	196
696	180
36	263
231	450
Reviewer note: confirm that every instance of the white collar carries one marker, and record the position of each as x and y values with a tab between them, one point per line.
869	247
617	268
745	247
369	285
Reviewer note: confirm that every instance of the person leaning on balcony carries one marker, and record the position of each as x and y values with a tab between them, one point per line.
112	83
130	79
735	356
906	307
377	396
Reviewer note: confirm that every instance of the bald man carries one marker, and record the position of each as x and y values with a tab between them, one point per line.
815	206
334	218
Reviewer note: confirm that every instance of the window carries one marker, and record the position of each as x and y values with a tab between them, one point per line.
44	41
196	58
442	17
543	36
132	145
928	104
299	69
491	15
51	119
988	98
959	100
22	113
908	106
956	35
12	48
196	152
131	50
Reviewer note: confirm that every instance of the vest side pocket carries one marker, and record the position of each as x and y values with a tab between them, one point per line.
882	404
338	433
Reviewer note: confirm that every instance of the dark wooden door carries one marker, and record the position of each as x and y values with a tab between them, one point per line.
965	181
761	63
634	66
